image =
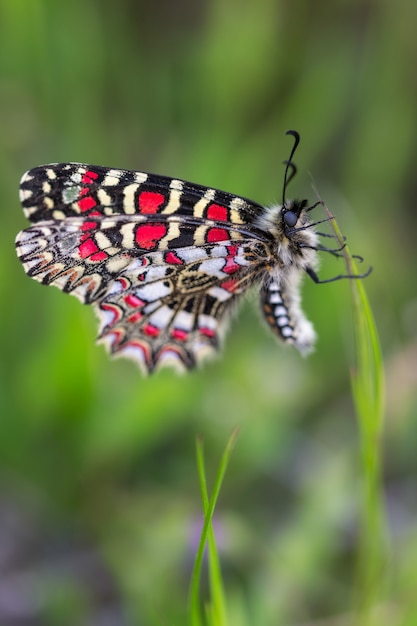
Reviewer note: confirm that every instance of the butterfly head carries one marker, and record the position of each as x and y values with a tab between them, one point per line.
291	213
295	233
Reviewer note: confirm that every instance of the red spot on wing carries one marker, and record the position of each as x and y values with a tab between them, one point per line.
135	317
177	333
141	346
151	331
208	332
172	351
117	314
217	234
229	285
86	203
148	235
172	258
149	202
89	177
118	334
123	282
99	256
231	265
217	212
87	248
88	225
133	300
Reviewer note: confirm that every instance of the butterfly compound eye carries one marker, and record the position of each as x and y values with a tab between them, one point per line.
290	218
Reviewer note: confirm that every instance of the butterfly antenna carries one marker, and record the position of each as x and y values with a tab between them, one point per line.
290	167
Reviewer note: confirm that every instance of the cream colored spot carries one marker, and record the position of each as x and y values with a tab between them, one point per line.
48	257
173	233
30	211
140	177
127	233
236	206
173	205
103	197
235	217
112	250
237	203
111	181
108	224
200	235
103	242
51	174
26	177
203	202
24	194
176	184
117	263
129	198
112	178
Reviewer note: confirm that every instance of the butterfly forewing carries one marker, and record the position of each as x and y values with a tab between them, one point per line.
64	190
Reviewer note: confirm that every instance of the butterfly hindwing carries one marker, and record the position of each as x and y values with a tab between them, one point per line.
157	311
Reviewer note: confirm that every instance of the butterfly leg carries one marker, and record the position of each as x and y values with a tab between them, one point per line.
321	281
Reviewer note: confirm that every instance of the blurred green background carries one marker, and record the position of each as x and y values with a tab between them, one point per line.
99	502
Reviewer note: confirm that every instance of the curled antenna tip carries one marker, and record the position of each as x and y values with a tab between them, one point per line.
294	133
290	168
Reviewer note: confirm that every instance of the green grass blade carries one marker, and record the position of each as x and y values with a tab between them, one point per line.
216	613
368	390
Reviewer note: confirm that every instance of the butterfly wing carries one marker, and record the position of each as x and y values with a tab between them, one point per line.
174	310
161	260
62	190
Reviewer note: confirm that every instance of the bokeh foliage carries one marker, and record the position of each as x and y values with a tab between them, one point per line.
99	491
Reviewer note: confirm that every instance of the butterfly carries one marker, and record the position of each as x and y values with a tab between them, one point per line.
164	261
